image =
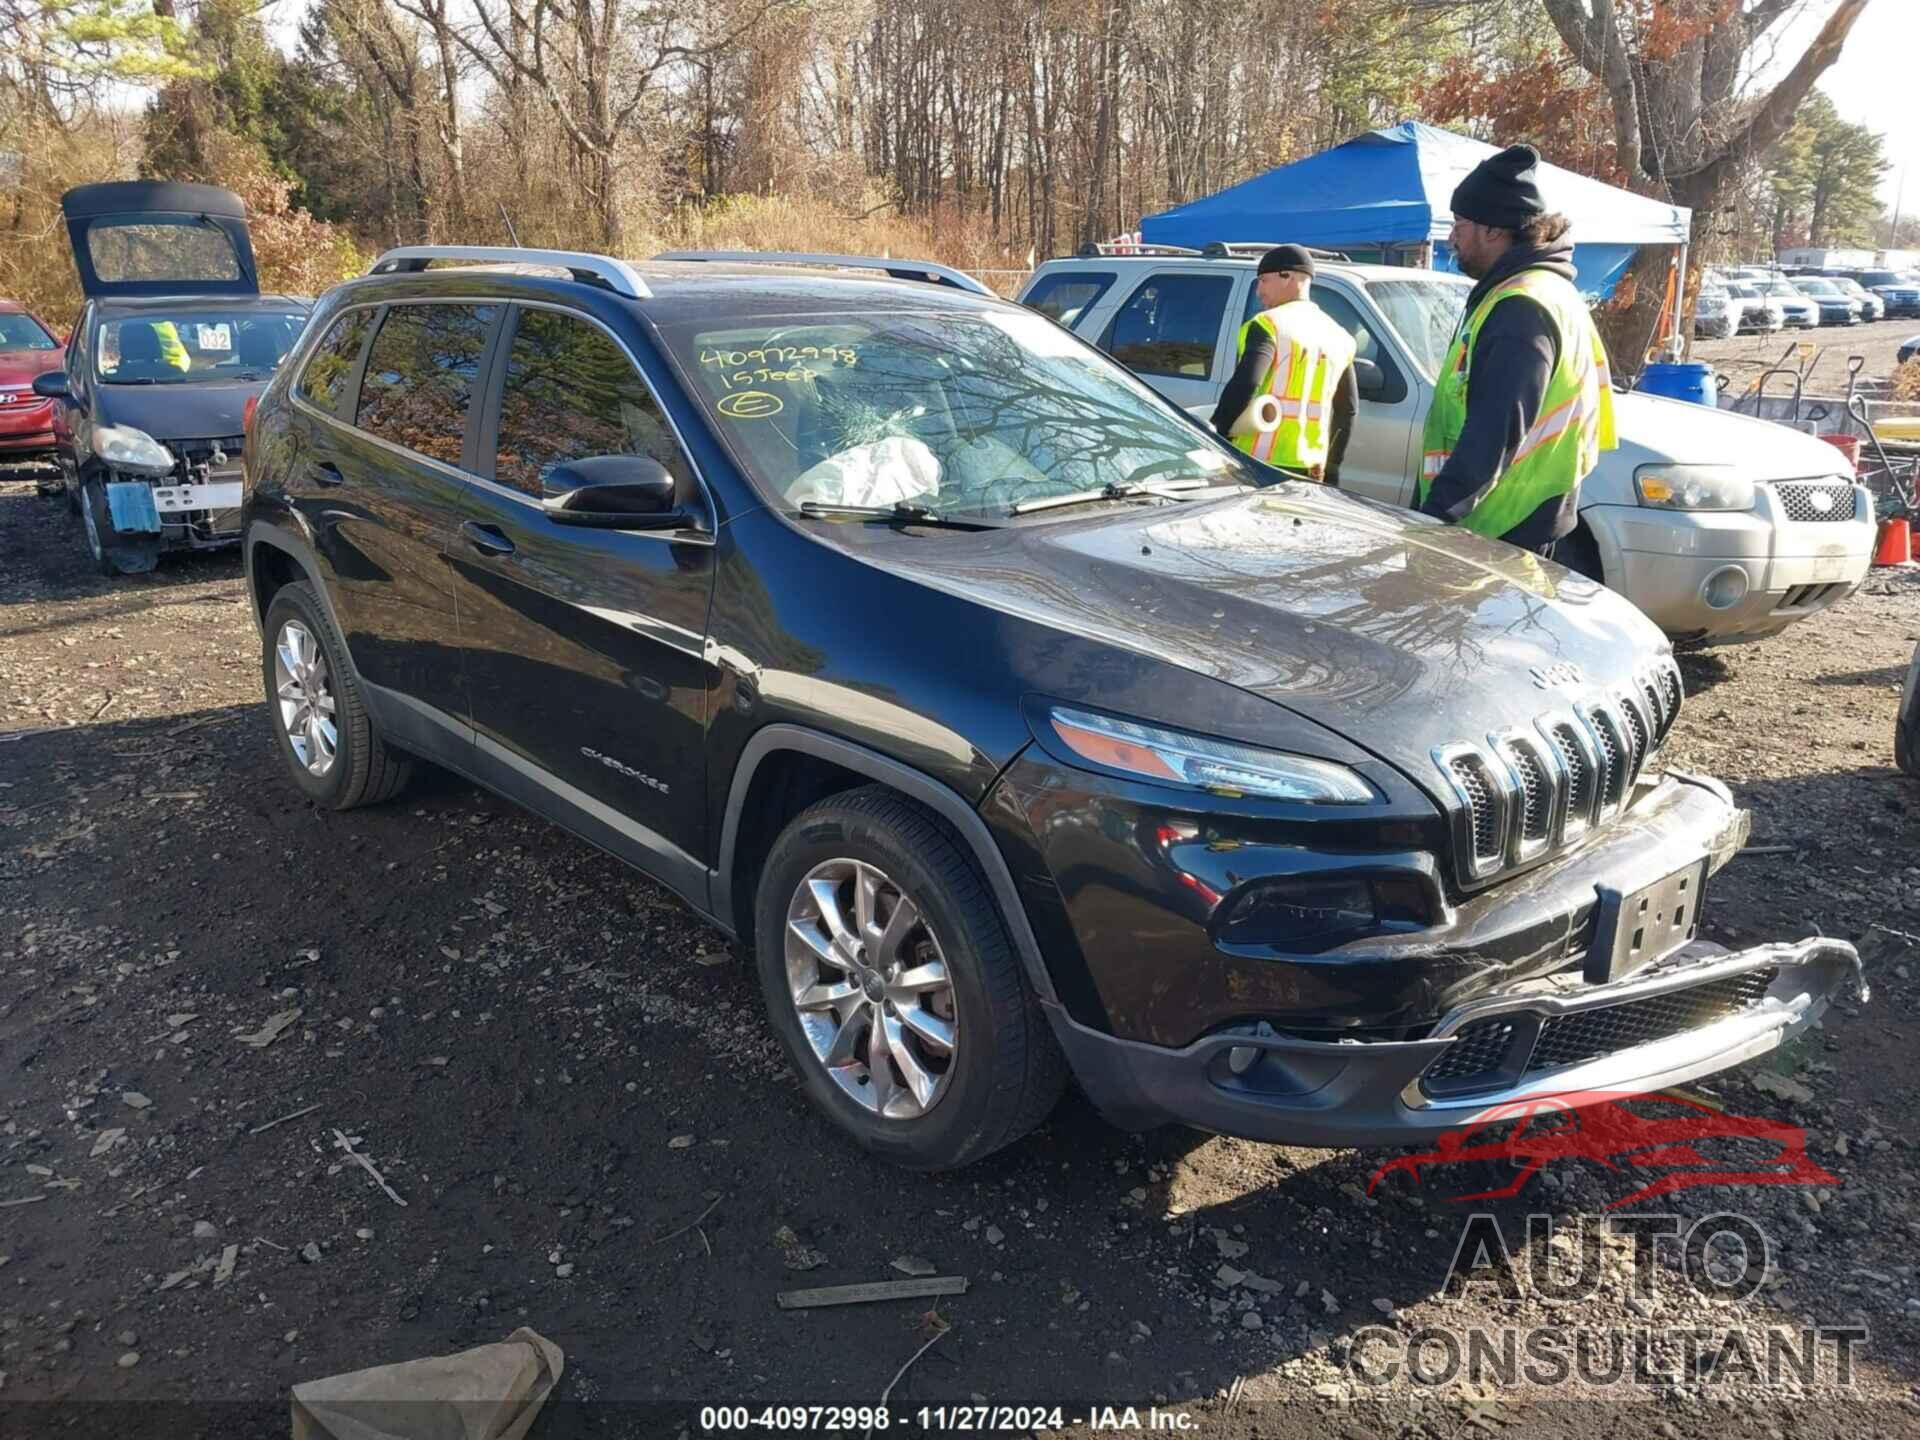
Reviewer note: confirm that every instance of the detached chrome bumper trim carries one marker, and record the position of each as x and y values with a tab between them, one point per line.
1791	1001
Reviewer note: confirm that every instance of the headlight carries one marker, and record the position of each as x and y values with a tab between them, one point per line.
1693	487
1219	766
126	448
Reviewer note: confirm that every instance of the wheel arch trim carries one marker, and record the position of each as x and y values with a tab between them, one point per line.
948	804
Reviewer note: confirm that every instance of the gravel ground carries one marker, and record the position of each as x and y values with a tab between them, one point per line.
1743	358
205	984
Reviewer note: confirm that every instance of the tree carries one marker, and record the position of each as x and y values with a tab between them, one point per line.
1683	123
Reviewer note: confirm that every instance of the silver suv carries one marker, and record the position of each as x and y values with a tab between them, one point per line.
1751	526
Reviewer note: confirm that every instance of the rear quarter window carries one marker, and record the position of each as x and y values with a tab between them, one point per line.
1066	296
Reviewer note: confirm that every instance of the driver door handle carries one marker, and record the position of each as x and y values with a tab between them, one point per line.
487	539
322	472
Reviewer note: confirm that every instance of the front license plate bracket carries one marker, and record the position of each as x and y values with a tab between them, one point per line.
1634	928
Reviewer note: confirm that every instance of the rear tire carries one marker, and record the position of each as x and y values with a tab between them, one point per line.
332	748
832	984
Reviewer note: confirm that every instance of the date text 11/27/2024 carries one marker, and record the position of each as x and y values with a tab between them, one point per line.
941	1419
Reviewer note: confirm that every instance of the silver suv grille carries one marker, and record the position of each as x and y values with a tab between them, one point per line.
1815	500
1528	792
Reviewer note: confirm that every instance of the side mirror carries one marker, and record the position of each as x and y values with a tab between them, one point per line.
613	492
1369	379
52	386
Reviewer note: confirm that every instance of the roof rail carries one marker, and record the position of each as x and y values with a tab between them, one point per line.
602	270
899	269
1241	249
1130	247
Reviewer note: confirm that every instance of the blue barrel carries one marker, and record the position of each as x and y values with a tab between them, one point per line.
1692	382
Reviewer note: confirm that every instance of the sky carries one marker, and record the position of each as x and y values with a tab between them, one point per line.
1873	82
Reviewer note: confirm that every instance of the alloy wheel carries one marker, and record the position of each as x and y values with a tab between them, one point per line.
870	985
303	690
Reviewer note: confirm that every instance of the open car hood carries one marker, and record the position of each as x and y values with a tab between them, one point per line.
146	237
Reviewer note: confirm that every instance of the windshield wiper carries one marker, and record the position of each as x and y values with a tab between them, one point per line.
1158	489
901	511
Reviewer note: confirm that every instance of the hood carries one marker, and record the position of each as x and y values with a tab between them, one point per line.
1653	429
18	367
188	410
1395	632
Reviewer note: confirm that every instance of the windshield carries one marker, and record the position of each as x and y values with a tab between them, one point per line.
1781	287
1818	287
1425	313
170	347
1745	292
959	414
20	331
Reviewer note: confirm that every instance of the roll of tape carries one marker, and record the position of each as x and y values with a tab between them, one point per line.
1261	417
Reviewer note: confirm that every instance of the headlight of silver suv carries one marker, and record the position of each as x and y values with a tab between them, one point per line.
125	448
1219	766
1693	487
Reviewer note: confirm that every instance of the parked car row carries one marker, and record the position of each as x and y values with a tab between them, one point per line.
1821	297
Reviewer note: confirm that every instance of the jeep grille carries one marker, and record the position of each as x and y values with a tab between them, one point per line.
1524	794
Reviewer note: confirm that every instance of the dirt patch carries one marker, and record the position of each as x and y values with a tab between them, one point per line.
1743	358
555	1066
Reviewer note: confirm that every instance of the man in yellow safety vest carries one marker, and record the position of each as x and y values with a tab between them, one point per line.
1301	357
1522	406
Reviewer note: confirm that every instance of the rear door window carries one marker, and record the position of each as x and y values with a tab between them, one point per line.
420	377
1067	295
1170	325
324	380
570	392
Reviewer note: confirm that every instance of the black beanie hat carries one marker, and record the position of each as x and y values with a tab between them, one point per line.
1501	190
1282	258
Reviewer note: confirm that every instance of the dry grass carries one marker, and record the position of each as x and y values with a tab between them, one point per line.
1906	381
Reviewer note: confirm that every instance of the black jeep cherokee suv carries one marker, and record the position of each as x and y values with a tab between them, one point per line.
1016	726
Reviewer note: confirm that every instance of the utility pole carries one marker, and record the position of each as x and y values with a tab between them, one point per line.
1899	195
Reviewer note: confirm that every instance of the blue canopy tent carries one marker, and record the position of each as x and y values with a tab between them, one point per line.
1387	191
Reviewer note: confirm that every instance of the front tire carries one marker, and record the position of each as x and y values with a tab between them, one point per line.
332	748
111	552
889	976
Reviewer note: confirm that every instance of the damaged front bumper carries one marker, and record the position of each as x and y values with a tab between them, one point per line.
1700	1011
1690	1016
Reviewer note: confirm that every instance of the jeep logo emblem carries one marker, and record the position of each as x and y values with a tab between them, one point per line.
1564	676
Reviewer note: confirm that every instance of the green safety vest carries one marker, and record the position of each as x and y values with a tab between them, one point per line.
171	350
1311	351
1576	416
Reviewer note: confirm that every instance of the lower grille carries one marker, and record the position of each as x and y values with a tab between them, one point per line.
1806	597
1588	1034
1814	501
1501	1050
1475	1050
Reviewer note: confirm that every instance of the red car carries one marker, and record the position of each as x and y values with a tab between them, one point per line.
27	349
1673	1144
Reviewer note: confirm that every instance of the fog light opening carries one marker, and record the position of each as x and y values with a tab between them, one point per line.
1725	587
